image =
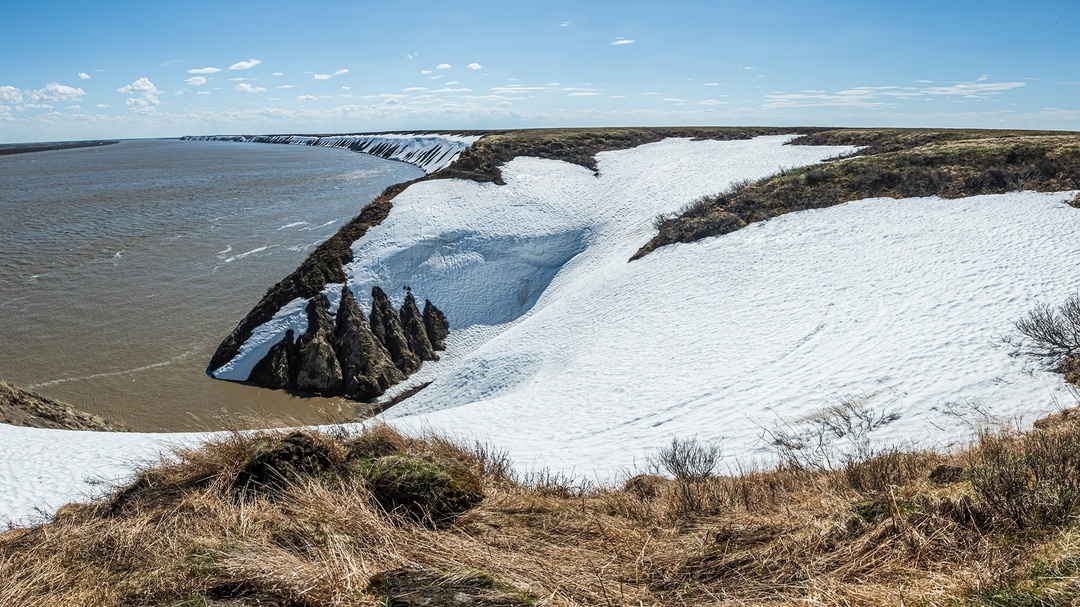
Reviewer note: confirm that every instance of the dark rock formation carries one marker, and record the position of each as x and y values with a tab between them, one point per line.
436	325
317	368
366	367
349	355
275	369
412	323
386	325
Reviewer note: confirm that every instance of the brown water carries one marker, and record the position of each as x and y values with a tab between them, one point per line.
122	267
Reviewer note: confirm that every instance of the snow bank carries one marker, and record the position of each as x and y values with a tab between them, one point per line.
568	357
429	151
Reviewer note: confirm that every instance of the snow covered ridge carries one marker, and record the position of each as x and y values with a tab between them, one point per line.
429	151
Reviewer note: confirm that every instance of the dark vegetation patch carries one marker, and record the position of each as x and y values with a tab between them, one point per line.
25	148
895	163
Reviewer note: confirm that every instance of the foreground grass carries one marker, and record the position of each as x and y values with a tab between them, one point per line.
226	525
895	163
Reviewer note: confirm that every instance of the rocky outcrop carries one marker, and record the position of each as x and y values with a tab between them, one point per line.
316	357
386	324
412	323
351	356
366	367
275	369
436	326
20	407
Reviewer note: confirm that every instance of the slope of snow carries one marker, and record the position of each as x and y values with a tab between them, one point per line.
568	357
429	151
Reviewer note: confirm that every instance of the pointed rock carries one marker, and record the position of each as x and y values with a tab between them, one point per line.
366	368
316	358
436	325
275	369
412	323
385	323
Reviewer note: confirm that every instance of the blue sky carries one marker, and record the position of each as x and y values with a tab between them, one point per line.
82	70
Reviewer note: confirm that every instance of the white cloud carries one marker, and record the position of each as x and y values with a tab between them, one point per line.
102	106
443	66
346	88
425	72
329	76
410	55
622	41
307	98
286	86
712	84
84	76
414	89
674	99
140	86
57	92
144	95
564	24
583	94
196	81
10	94
474	66
245	65
247	88
37	106
74	107
451	83
983	78
711	102
452	91
204	70
278	74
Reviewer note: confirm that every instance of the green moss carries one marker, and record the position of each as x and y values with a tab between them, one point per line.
426	488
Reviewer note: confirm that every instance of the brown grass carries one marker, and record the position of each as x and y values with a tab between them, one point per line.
877	531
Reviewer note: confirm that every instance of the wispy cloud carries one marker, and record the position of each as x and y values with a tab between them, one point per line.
443	66
247	88
711	102
414	89
245	65
474	66
622	41
196	81
307	98
84	76
329	76
564	24
880	96
584	94
204	70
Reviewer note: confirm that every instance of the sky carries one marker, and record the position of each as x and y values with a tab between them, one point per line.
110	69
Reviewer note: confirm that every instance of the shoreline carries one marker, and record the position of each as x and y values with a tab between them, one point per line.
9	149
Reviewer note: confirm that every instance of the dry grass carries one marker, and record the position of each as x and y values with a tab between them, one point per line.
875	531
896	163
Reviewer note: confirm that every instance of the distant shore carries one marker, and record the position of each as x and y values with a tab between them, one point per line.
25	148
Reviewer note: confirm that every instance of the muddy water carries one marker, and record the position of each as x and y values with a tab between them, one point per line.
122	267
